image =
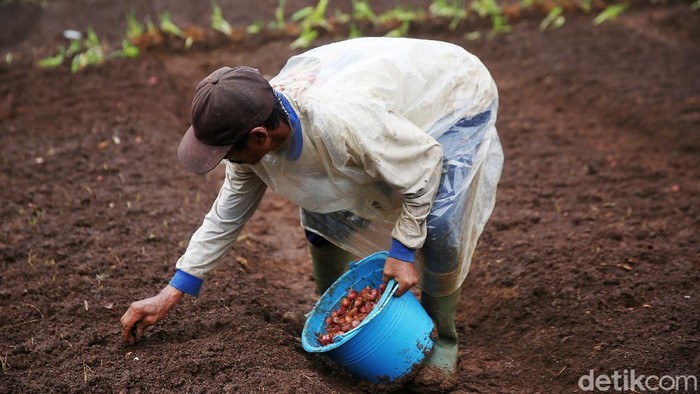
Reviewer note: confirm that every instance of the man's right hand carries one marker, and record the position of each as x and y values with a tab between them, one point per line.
147	312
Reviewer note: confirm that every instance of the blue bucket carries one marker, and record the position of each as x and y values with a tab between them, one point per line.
389	343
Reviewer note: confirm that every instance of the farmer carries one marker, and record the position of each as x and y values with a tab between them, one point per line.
384	143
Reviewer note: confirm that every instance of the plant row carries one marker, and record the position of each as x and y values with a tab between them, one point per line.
305	25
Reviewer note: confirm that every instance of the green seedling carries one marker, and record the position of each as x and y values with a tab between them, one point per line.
695	6
499	24
151	28
9	58
134	35
404	16
54	60
83	52
489	8
554	19
401	15
255	28
401	31
341	17
305	39
610	13
128	50
134	28
218	22
452	9
93	55
279	14
310	18
355	31
362	12
75	46
280	22
586	6
473	36
167	25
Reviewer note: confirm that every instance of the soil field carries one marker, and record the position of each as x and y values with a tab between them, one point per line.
591	260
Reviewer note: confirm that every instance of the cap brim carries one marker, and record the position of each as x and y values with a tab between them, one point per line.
198	157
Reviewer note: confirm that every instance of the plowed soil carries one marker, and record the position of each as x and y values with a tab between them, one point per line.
591	260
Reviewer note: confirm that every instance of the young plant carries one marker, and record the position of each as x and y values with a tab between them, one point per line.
218	22
586	6
355	31
93	54
134	38
62	54
279	23
362	12
341	17
255	27
610	13
401	31
167	25
55	60
310	18
490	8
451	9
134	28
128	50
151	28
305	39
554	19
403	16
472	36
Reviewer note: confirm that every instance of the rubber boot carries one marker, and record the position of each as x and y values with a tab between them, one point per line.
441	364
329	262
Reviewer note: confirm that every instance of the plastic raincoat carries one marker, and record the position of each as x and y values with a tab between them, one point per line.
392	138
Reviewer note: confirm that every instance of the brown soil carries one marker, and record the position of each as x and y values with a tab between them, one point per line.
591	260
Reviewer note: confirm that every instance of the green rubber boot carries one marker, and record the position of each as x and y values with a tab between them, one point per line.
441	364
329	262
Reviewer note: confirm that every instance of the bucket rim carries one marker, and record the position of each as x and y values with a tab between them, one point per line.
384	300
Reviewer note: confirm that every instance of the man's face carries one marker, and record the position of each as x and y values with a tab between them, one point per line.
252	153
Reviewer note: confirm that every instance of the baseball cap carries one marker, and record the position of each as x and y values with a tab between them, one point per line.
226	105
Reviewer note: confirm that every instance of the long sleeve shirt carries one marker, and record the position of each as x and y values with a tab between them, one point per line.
365	115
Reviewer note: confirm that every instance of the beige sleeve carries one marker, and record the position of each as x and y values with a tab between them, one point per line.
238	199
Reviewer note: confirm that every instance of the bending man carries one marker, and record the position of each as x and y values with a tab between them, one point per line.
384	143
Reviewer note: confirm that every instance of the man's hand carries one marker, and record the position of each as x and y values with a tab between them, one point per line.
403	272
147	312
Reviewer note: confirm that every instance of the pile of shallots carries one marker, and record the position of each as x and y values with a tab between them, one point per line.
353	309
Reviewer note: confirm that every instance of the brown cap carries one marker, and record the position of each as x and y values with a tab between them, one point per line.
226	105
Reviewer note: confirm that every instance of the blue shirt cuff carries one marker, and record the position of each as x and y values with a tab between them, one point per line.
186	283
401	252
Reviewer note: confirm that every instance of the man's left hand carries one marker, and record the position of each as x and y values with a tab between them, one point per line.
403	272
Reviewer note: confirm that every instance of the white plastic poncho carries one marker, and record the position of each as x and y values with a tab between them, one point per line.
372	113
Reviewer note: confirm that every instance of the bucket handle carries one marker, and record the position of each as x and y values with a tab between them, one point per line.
353	264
